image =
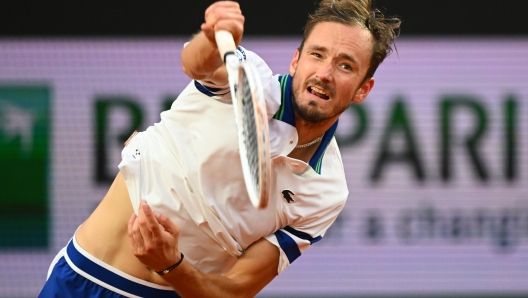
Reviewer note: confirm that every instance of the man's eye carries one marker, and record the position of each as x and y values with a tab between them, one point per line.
346	67
317	55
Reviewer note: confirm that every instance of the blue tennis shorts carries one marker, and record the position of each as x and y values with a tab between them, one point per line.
75	273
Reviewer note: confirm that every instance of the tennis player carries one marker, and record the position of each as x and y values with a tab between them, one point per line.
177	221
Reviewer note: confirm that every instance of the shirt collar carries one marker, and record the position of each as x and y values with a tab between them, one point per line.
285	114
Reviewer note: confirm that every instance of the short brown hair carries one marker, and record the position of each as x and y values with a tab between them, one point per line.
358	13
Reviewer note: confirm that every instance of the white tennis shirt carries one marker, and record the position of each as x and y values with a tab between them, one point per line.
187	166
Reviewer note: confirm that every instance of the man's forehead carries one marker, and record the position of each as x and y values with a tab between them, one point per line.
348	40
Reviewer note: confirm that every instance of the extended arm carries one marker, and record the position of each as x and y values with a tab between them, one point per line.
154	240
200	58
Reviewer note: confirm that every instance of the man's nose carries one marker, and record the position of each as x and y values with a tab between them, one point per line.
325	72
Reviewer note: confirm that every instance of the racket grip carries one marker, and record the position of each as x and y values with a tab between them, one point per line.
225	43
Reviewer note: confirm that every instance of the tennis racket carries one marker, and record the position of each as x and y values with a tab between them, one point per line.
251	120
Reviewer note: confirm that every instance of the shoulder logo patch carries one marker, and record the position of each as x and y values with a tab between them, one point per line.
287	195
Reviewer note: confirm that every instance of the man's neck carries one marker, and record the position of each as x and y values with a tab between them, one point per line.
304	154
309	132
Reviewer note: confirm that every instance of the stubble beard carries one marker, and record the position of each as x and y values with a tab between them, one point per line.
310	112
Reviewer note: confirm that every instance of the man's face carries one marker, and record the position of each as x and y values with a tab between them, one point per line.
328	74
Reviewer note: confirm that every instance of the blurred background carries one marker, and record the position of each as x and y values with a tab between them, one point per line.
436	157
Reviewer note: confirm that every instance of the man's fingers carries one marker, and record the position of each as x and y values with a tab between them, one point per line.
150	218
207	28
231	25
223	10
135	234
147	223
130	232
224	15
237	19
222	6
168	225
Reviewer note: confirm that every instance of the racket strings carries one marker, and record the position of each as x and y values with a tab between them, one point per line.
250	132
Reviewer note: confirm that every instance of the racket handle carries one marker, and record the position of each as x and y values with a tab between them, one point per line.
225	43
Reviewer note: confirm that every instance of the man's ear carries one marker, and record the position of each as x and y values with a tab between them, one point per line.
363	91
293	63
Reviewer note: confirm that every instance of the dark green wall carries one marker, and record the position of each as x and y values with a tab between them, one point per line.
134	18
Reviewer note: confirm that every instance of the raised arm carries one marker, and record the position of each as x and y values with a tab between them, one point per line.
200	58
154	240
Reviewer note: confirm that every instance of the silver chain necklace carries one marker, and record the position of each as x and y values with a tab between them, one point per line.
309	144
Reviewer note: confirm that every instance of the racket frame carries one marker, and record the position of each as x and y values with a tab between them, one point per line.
236	70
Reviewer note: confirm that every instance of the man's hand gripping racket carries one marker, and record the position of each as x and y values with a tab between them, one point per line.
251	120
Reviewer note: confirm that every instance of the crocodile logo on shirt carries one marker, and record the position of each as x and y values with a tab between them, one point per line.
287	195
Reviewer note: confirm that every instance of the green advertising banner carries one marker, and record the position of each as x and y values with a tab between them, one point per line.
24	166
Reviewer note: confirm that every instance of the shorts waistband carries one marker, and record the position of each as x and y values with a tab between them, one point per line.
111	278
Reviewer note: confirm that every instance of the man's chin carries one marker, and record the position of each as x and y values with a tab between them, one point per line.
309	111
311	115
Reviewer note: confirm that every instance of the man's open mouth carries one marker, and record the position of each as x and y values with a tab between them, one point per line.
318	92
